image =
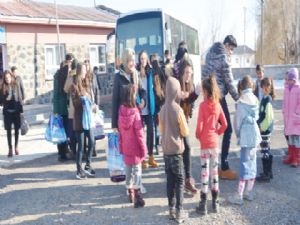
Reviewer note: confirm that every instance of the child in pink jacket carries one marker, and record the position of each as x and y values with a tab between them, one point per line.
132	144
291	116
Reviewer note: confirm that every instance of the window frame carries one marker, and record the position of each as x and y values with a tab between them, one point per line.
53	67
98	64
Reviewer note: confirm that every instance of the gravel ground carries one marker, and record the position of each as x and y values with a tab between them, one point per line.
45	192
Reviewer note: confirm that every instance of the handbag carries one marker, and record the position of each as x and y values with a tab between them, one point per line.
115	160
98	127
24	125
55	131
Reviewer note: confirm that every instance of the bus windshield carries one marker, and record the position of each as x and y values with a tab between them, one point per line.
140	34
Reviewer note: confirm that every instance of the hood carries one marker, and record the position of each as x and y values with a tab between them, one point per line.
249	101
216	51
126	117
173	90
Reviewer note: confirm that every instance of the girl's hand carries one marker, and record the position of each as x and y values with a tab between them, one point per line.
184	95
142	104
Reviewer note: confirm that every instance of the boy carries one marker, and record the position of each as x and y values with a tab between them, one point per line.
173	127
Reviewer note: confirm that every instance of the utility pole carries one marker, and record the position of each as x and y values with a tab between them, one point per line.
261	32
245	61
57	32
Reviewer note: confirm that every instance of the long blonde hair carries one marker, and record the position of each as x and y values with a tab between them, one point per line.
210	86
81	84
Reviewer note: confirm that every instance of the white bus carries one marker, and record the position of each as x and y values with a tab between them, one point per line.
155	31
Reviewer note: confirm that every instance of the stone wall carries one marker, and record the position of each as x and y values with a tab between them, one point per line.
276	71
30	61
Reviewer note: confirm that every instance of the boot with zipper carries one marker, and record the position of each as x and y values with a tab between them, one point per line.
215	201
202	208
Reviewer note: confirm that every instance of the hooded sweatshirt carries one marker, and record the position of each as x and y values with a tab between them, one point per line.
217	63
131	136
173	125
246	115
208	128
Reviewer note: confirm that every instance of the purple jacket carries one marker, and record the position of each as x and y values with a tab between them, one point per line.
291	110
131	135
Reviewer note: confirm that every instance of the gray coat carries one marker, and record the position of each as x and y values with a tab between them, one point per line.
246	115
217	63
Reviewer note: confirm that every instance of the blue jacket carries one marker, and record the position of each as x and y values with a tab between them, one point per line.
246	115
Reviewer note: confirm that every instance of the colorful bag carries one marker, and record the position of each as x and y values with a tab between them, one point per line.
86	114
55	131
24	125
115	160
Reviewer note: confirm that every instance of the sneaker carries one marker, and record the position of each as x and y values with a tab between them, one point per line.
172	213
236	199
80	175
180	216
249	196
89	171
228	174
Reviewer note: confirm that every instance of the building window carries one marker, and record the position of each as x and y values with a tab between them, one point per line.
98	57
52	59
248	60
237	60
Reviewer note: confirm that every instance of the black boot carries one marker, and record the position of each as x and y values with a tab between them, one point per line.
202	208
138	199
265	175
270	166
215	201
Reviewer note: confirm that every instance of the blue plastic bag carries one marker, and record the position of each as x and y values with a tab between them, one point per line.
115	160
55	131
86	114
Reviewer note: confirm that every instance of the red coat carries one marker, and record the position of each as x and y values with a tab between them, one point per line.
131	135
211	123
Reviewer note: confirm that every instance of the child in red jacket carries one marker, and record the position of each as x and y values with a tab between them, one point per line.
132	143
208	130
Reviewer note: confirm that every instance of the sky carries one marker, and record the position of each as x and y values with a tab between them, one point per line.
219	17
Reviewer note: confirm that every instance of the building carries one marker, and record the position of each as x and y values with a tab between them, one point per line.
242	56
29	38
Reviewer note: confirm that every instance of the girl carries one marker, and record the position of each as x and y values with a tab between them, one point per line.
79	89
146	78
208	131
11	99
132	145
248	136
291	115
188	97
265	123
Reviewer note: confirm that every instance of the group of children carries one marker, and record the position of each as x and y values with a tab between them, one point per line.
253	125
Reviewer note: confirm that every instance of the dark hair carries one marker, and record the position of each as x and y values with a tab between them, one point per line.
180	53
259	68
167	52
245	83
230	40
62	77
128	96
211	87
13	68
182	44
188	87
69	56
4	85
95	68
268	82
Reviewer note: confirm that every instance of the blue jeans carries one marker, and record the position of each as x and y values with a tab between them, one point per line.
80	139
175	176
226	137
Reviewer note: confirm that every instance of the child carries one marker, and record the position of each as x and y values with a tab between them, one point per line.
173	127
208	131
248	136
258	92
132	145
265	122
291	115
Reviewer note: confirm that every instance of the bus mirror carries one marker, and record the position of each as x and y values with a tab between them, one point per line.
111	34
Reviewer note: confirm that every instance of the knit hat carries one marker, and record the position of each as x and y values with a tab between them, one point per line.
293	74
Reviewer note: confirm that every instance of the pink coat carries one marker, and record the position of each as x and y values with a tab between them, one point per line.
131	135
291	110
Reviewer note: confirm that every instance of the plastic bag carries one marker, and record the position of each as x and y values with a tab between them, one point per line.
24	125
55	131
115	160
98	128
86	114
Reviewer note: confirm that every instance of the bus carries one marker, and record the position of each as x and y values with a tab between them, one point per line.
155	31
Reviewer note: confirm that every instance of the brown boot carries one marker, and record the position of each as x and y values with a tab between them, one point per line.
138	199
228	174
190	186
152	162
10	152
130	195
144	164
